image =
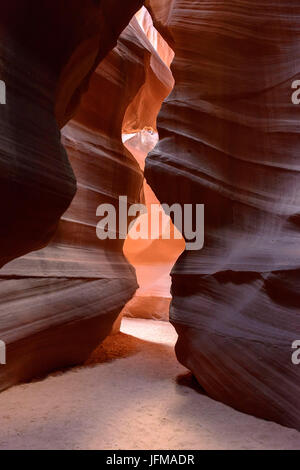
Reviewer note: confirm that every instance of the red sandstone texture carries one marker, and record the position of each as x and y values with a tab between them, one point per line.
153	259
58	303
230	139
47	53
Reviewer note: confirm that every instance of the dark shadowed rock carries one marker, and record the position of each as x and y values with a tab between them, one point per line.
230	139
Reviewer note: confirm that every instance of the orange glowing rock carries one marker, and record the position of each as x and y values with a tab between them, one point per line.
152	259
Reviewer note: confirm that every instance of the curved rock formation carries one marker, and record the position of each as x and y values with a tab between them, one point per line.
152	258
47	54
230	139
58	303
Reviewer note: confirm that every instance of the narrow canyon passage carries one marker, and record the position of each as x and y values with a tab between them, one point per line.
152	257
134	396
155	252
182	103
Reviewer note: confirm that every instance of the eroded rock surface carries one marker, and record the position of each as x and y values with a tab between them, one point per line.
59	302
153	257
47	54
230	139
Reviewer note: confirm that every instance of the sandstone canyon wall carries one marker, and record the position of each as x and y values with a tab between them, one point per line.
47	53
152	257
230	139
59	302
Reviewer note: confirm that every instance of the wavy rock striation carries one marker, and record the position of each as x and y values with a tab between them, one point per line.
152	258
230	139
59	302
47	54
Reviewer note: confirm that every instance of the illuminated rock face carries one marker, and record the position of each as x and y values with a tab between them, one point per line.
230	139
58	303
47	54
152	258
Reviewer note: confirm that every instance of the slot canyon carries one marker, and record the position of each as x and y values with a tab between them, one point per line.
145	343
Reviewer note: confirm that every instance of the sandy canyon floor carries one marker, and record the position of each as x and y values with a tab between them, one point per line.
133	395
